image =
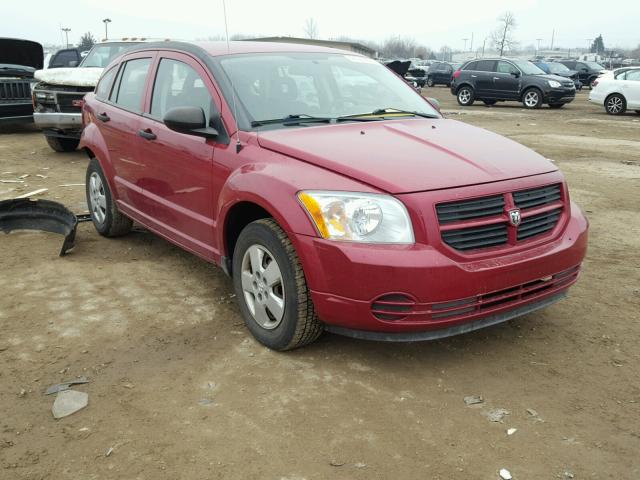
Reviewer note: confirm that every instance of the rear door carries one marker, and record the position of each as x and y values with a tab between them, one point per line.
506	81
182	179
484	78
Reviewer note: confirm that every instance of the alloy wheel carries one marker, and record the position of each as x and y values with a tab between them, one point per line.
263	286
531	99
464	96
614	105
97	198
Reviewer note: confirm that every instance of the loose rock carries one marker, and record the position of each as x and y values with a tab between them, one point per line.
497	414
473	400
505	474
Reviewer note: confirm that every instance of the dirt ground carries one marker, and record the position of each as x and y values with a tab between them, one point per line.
180	390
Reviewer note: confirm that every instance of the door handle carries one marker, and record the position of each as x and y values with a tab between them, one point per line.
474	76
147	134
496	78
103	117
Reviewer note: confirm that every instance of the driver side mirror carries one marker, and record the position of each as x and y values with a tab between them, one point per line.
515	74
189	120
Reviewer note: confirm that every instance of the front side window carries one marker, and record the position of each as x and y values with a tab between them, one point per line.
275	85
178	85
506	67
130	89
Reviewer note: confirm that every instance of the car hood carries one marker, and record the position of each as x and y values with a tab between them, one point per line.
21	52
552	76
402	156
76	76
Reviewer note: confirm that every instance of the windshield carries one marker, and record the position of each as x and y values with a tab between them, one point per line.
557	68
327	85
101	55
594	65
528	68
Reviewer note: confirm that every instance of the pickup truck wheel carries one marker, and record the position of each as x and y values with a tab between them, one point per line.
615	104
532	98
63	144
430	82
105	215
271	288
466	96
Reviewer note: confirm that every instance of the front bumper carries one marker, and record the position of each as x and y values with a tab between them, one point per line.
560	95
448	295
65	122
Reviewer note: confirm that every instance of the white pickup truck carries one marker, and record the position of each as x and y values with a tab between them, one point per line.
57	97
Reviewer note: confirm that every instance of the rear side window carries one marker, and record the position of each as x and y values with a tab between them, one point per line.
178	85
485	66
130	87
104	87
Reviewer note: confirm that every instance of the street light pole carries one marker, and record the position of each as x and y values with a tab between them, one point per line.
465	44
538	49
66	34
106	21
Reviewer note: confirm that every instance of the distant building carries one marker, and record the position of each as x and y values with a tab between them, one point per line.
350	46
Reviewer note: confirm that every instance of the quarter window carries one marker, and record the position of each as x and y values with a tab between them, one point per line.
178	85
104	87
131	84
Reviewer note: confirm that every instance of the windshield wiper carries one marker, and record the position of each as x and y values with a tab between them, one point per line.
382	111
291	120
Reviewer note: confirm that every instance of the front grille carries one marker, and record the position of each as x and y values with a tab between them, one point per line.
15	90
484	222
538	224
476	237
536	197
65	103
468	209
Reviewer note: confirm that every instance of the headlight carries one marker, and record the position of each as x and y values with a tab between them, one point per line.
358	217
554	84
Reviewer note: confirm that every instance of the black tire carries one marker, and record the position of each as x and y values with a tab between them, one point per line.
591	80
615	104
532	98
109	222
465	96
299	325
430	82
556	105
489	102
638	112
63	144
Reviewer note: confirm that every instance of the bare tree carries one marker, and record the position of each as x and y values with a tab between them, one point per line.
399	47
311	28
502	37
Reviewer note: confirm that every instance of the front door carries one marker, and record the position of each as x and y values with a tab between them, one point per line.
506	81
181	175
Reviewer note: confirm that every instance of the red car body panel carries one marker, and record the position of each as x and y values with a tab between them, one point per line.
186	188
410	155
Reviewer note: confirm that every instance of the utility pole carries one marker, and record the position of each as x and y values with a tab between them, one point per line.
538	49
553	37
465	44
106	21
589	40
66	34
471	47
483	44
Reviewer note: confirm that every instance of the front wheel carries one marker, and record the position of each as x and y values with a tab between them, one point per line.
271	288
466	96
430	82
532	98
615	104
63	144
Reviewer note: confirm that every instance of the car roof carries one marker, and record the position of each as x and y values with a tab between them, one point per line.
217	49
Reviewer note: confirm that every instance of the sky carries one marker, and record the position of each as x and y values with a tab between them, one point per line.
432	24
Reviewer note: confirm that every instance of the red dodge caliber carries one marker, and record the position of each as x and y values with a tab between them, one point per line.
335	196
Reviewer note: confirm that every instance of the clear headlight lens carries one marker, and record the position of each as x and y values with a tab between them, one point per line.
554	84
358	217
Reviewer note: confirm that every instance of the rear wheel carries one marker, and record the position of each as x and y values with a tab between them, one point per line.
105	215
556	105
532	98
271	289
615	104
466	96
63	144
430	82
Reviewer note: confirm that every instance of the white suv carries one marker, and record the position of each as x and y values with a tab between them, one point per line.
618	91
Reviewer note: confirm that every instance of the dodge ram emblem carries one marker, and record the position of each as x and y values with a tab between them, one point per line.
514	217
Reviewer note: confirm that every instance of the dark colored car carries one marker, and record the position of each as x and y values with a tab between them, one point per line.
501	79
19	59
440	74
65	58
556	68
417	75
354	210
587	71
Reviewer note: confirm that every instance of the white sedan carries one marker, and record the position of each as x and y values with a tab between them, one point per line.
618	91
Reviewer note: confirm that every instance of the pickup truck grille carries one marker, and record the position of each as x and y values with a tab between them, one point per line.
15	90
66	102
485	222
